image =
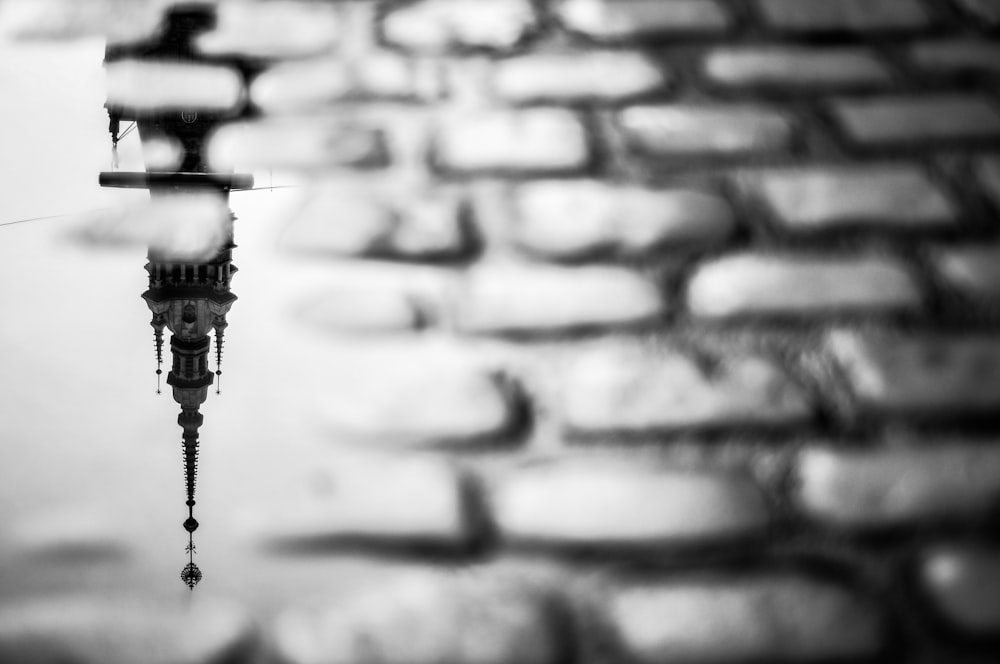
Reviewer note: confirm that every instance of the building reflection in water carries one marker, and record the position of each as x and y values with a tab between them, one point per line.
190	299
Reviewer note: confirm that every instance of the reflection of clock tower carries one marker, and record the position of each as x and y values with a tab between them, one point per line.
191	300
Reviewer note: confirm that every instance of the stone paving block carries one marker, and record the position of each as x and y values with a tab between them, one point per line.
923	376
527	298
899	485
601	76
119	21
440	25
147	87
107	630
768	617
436	395
632	389
337	219
988	174
682	130
800	284
300	144
566	219
972	270
307	84
796	68
622	20
887	196
383	500
275	29
425	617
986	11
360	311
612	502
902	120
844	15
956	56
548	140
963	585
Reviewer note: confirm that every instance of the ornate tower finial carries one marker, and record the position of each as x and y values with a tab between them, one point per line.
158	324
220	327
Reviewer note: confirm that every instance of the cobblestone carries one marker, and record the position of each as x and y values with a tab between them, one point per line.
318	82
336	219
920	375
607	502
545	140
892	196
604	76
899	485
360	311
564	220
683	130
516	298
438	395
376	499
963	583
276	29
615	20
768	617
441	25
803	285
784	68
629	388
149	86
424	618
892	121
298	144
844	15
984	10
971	270
956	56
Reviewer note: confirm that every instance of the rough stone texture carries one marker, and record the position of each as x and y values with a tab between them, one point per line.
339	220
437	396
899	485
316	82
603	76
304	144
572	219
121	631
619	20
383	499
360	311
985	10
922	376
147	86
524	298
439	25
783	68
681	130
956	56
276	29
607	502
963	584
971	270
988	174
762	284
424	618
844	15
119	21
534	141
769	617
891	196
629	388
900	120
